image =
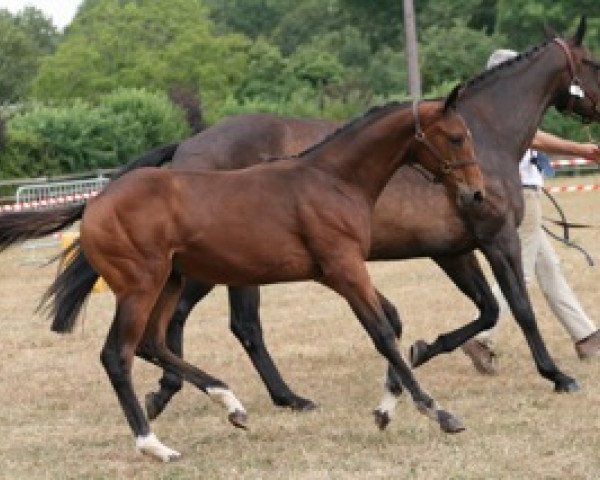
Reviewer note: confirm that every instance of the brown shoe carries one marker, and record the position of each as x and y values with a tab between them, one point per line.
483	357
588	347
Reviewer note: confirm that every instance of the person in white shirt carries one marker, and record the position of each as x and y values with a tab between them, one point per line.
538	257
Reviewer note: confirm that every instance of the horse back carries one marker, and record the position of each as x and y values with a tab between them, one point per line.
244	140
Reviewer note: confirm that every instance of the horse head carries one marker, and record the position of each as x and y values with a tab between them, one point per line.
448	150
582	95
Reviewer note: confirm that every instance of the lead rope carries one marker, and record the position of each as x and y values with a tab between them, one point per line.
566	225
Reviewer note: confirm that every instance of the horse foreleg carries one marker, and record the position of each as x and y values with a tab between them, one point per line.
170	382
245	324
466	273
505	260
117	357
393	385
352	281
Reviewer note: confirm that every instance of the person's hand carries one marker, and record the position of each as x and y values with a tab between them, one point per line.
590	151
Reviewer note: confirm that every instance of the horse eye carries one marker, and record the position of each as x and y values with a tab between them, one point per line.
456	140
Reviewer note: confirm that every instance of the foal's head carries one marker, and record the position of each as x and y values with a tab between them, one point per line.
443	145
581	94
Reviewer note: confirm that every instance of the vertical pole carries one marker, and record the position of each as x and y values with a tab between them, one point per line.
412	50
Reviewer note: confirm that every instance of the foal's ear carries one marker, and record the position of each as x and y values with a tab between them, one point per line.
549	32
580	33
452	98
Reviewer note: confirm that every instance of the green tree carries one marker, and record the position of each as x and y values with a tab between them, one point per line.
441	64
156	45
25	39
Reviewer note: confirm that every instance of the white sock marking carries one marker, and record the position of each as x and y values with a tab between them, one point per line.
388	403
226	398
150	445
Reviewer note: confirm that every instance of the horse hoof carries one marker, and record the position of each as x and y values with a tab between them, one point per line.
238	419
570	385
449	423
382	419
418	353
300	404
152	408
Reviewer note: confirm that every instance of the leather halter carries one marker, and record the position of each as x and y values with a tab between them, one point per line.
446	166
574	78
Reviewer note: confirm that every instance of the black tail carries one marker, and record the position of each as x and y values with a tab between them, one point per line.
17	227
66	296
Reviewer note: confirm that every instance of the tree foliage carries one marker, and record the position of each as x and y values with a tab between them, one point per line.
24	40
328	58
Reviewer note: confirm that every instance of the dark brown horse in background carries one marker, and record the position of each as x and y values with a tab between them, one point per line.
295	219
503	108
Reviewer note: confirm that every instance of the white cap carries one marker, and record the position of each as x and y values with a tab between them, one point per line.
499	56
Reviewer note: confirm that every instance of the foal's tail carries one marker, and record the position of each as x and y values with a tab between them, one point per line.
67	294
16	227
20	226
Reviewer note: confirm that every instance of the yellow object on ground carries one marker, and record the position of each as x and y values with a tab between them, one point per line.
66	239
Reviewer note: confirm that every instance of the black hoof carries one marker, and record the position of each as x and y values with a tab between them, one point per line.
449	423
153	406
300	404
418	353
568	385
382	419
238	419
296	403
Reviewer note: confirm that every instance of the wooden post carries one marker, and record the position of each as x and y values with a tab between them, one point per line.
412	50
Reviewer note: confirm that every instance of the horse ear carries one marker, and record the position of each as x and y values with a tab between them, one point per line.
578	37
452	97
549	32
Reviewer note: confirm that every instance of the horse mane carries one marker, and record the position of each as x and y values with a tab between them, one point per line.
371	115
491	72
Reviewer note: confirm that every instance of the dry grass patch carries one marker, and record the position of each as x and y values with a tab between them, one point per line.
60	417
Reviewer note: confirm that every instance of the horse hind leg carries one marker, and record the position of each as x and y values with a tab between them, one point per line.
117	358
245	324
155	350
170	382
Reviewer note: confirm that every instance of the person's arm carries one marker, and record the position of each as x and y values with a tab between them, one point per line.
560	146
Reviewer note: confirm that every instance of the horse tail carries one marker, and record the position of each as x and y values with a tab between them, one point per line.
16	227
67	294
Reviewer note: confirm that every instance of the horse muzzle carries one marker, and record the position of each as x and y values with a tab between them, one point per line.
467	195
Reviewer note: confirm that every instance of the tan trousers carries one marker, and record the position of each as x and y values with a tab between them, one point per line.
540	259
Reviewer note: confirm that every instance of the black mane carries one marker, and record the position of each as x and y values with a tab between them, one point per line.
490	72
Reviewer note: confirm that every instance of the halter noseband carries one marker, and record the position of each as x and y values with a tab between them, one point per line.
446	166
575	81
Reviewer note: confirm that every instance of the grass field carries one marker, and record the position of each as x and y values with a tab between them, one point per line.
59	417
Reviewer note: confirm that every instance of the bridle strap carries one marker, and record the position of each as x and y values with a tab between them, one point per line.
574	78
446	166
567	51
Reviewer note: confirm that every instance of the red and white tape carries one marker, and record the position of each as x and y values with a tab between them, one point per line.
571	162
50	202
590	187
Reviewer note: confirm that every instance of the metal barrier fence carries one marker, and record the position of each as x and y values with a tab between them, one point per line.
50	195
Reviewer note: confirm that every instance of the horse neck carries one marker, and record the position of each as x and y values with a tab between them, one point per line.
366	155
506	108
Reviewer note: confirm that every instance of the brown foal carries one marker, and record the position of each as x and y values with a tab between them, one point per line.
294	219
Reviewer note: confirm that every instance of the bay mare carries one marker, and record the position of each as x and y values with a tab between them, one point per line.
503	107
295	219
